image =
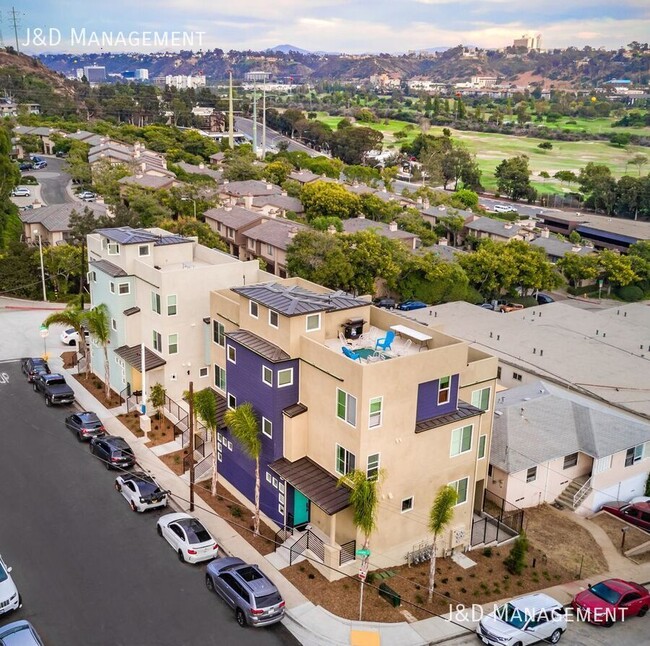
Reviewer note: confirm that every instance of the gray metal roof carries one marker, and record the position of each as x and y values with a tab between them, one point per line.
200	170
464	411
234	217
108	268
352	225
292	300
57	216
129	235
133	356
259	345
147	181
304	176
559	248
539	422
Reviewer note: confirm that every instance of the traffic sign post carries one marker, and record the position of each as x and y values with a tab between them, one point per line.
44	334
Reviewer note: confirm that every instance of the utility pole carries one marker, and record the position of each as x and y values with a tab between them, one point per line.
264	120
36	232
231	119
83	266
13	14
255	117
191	446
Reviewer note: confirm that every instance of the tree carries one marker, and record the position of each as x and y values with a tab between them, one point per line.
191	227
513	177
639	160
566	176
598	185
576	268
98	323
322	223
328	199
75	318
157	396
440	515
62	262
351	145
545	145
82	224
452	226
515	562
277	171
617	269
467	197
620	139
205	407
244	426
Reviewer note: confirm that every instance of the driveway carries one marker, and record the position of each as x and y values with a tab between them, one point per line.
53	180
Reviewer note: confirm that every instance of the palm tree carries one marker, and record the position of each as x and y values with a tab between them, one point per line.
72	317
440	516
98	322
205	406
244	425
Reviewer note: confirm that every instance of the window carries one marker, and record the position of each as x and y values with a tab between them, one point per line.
219	377
274	482
345	461
114	324
269	249
172	343
218	333
490	469
407	504
253	309
460	486
444	390
313	322
516	376
481	398
267	427
111	286
230	232
461	440
251	243
267	375
143	250
268	477
171	305
499	372
374	419
274	319
92	275
157	341
346	407
570	461
232	354
204	372
372	470
634	455
123	289
113	249
285	377
531	474
482	441
155	302
232	401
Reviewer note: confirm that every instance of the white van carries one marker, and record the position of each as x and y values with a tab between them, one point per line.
504	208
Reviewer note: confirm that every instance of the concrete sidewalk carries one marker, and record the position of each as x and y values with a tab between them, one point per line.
313	625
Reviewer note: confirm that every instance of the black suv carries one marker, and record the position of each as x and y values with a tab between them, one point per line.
113	451
85	425
33	366
385	302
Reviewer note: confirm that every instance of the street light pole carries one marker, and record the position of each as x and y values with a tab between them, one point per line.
255	117
40	251
264	120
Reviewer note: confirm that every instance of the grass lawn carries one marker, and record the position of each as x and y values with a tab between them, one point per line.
599	126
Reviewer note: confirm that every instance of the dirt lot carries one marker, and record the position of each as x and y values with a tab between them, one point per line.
96	388
633	537
549	529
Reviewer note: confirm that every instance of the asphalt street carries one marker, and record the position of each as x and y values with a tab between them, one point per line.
90	571
53	180
273	138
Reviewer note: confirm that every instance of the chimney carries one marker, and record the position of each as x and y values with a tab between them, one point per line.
361	216
331	229
225	181
284	194
292	232
248	201
545	233
227	208
426	204
201	165
392	226
419	200
442	242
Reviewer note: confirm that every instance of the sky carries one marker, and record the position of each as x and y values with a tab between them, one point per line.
352	26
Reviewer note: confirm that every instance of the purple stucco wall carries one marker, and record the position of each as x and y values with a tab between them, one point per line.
428	407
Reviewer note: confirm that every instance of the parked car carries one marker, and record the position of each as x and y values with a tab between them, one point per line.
510	307
486	306
504	208
61	154
85	425
611	600
20	191
9	597
141	491
384	301
87	196
254	598
26	166
40	164
524	620
54	388
544	299
113	451
190	540
70	336
640	499
35	158
19	633
33	366
411	304
637	513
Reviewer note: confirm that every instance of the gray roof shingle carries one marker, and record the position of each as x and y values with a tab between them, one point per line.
259	345
57	216
252	187
495	227
285	202
109	268
234	217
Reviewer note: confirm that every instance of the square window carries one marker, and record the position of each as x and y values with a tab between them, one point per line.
345	461
155	302
281	498
482	442
285	377
143	250
232	401
267	375
460	487
481	398
444	390
516	376
112	288
346	407
232	354
372	469
313	322
157	341
218	333
281	486
407	504
281	509
274	319
267	428
219	377
374	418
172	343
171	305
204	372
220	455
123	288
461	440
531	474
253	309
570	460
113	249
268	477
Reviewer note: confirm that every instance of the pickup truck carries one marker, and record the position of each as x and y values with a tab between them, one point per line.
53	388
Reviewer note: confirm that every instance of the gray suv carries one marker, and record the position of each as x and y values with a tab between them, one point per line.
245	588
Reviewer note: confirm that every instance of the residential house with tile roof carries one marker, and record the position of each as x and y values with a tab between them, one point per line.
499	230
278	205
245	191
390	231
231	223
52	223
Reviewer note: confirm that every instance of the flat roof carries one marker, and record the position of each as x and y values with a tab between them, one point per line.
621	226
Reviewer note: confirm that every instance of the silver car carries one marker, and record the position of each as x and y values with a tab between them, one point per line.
255	600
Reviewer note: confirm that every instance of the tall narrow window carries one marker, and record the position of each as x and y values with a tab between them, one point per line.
157	341
267	427
218	333
374	418
461	487
172	343
482	441
345	461
155	302
461	440
171	305
219	377
372	470
346	407
444	390
274	319
481	398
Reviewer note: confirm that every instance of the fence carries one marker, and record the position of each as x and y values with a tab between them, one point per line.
348	552
298	547
505	512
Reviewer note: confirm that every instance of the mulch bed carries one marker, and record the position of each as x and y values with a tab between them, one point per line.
175	460
240	518
132	422
161	431
96	388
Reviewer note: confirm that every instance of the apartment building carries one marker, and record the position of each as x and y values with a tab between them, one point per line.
416	415
156	286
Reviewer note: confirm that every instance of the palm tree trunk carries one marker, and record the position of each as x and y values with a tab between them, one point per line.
84	352
107	375
432	570
214	462
256	521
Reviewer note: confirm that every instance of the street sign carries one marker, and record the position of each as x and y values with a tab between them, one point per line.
44	332
363	553
362	574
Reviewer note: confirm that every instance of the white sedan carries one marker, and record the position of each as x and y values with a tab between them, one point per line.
141	491
70	336
191	541
9	597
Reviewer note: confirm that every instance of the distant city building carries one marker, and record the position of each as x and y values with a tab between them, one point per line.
142	74
529	42
79	73
180	82
94	73
483	81
258	76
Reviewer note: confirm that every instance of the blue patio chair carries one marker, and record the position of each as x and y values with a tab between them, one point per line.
349	354
385	342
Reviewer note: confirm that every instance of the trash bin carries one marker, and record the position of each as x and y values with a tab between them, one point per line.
390	595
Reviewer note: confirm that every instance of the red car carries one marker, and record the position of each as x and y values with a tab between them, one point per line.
637	513
611	600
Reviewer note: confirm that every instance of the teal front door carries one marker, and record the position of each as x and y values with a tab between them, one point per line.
300	508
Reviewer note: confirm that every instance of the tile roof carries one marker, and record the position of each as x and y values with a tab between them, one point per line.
198	170
559	248
252	187
539	422
304	176
285	202
464	411
319	485
495	227
57	216
234	217
108	268
259	345
129	235
276	232
147	181
352	225
133	356
293	300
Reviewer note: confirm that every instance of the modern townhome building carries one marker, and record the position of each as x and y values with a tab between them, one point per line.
156	286
416	413
552	444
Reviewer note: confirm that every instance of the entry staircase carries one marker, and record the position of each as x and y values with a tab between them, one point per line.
574	493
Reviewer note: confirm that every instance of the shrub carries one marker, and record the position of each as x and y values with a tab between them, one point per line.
487	551
516	560
545	145
419	599
236	511
630	293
